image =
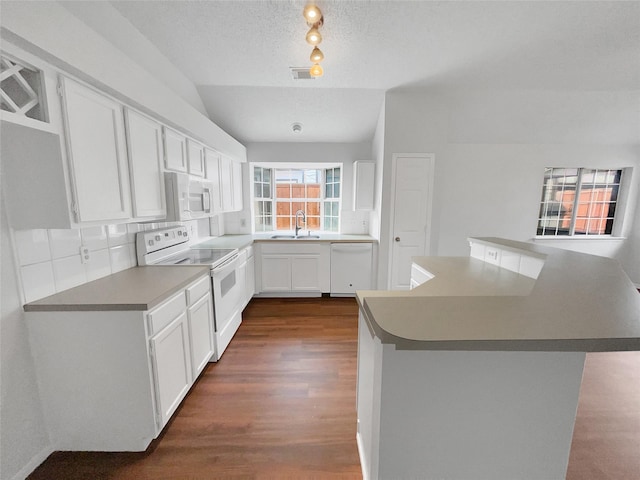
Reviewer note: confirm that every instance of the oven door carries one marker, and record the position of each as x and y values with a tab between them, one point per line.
227	302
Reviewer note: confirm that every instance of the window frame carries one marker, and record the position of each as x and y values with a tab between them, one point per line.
618	215
323	167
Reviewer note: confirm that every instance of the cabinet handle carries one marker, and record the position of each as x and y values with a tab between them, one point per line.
397	239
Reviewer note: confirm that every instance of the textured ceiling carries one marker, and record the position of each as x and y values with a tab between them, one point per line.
238	55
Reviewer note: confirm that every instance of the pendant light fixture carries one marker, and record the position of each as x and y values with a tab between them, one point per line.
316	71
311	14
316	55
314	18
313	36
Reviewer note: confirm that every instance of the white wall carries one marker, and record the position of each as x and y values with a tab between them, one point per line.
24	441
490	152
377	153
345	153
48	30
105	19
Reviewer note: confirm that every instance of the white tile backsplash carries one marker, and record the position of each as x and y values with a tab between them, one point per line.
122	257
99	264
50	260
37	281
69	272
117	235
354	222
64	243
95	238
32	246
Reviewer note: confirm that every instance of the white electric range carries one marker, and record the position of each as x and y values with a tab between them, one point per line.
170	247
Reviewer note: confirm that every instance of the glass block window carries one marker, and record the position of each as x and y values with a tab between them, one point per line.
278	193
21	89
578	201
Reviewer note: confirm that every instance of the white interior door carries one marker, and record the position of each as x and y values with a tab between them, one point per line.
412	180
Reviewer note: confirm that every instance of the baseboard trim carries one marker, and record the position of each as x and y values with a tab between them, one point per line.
363	462
34	463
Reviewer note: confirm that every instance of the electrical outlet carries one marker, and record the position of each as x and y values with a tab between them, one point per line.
243	222
85	257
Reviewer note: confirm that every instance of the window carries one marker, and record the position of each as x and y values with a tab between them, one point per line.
278	193
578	201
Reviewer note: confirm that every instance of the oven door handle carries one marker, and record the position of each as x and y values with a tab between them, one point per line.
228	264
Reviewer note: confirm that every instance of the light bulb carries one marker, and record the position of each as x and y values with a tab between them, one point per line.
311	14
313	36
316	71
316	55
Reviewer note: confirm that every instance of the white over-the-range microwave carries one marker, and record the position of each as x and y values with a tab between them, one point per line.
187	198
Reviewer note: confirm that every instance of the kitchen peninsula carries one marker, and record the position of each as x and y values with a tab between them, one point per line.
476	372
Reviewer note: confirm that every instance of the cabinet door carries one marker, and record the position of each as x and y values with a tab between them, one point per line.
305	273
175	151
144	142
97	154
195	155
200	317
212	172
363	183
236	174
171	367
226	183
250	282
276	273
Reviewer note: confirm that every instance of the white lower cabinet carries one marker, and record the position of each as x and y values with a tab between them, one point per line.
294	268
170	359
250	280
110	380
200	317
246	274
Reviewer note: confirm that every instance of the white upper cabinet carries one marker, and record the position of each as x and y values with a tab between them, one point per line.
97	154
175	151
230	184
212	173
363	183
226	183
236	170
195	155
144	143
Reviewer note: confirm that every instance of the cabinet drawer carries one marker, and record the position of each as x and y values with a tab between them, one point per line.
198	289
162	315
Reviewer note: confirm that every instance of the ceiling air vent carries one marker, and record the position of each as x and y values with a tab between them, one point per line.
301	73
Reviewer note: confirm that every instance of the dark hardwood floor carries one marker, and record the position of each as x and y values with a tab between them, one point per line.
281	404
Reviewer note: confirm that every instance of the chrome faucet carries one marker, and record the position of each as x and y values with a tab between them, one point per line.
304	219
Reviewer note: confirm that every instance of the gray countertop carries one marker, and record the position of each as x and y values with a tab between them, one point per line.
241	241
578	302
138	288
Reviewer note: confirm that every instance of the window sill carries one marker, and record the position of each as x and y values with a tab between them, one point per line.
589	238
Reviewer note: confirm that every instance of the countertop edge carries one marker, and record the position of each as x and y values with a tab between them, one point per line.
49	304
621	332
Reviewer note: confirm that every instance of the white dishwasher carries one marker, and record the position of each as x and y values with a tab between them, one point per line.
350	268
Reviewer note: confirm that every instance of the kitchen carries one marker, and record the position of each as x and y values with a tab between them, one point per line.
572	119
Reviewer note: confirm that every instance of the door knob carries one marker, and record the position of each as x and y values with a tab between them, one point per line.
397	239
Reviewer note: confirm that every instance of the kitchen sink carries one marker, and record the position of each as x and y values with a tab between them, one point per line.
293	237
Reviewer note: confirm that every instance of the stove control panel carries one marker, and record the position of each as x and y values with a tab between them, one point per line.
155	240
